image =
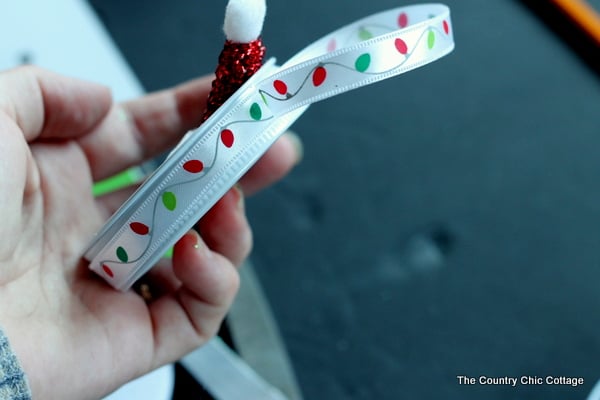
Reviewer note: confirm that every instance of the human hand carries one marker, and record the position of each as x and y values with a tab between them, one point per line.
75	336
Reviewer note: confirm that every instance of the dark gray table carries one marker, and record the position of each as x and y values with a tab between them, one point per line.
442	223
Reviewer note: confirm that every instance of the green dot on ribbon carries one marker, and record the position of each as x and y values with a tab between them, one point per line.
122	254
364	34
255	112
169	200
264	99
430	39
362	62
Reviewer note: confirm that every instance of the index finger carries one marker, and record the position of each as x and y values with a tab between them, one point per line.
140	129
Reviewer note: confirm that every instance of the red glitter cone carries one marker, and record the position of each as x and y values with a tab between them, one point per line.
237	63
243	52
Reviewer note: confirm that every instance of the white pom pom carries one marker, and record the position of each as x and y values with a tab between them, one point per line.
244	20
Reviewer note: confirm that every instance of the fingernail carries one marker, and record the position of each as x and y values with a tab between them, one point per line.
194	238
237	189
297	143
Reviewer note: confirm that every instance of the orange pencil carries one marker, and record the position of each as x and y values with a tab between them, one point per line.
582	14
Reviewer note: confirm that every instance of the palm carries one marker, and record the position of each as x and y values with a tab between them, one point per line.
119	326
44	260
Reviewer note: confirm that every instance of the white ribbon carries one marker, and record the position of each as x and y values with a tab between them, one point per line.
210	159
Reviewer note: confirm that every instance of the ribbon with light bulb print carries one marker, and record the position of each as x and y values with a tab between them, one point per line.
212	158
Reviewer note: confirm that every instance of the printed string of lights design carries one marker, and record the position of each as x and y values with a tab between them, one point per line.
213	157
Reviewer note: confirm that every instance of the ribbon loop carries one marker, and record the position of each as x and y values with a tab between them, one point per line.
210	159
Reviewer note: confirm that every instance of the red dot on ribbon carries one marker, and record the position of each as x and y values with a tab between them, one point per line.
319	76
108	271
227	137
193	166
332	45
280	87
139	228
402	20
401	46
446	27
